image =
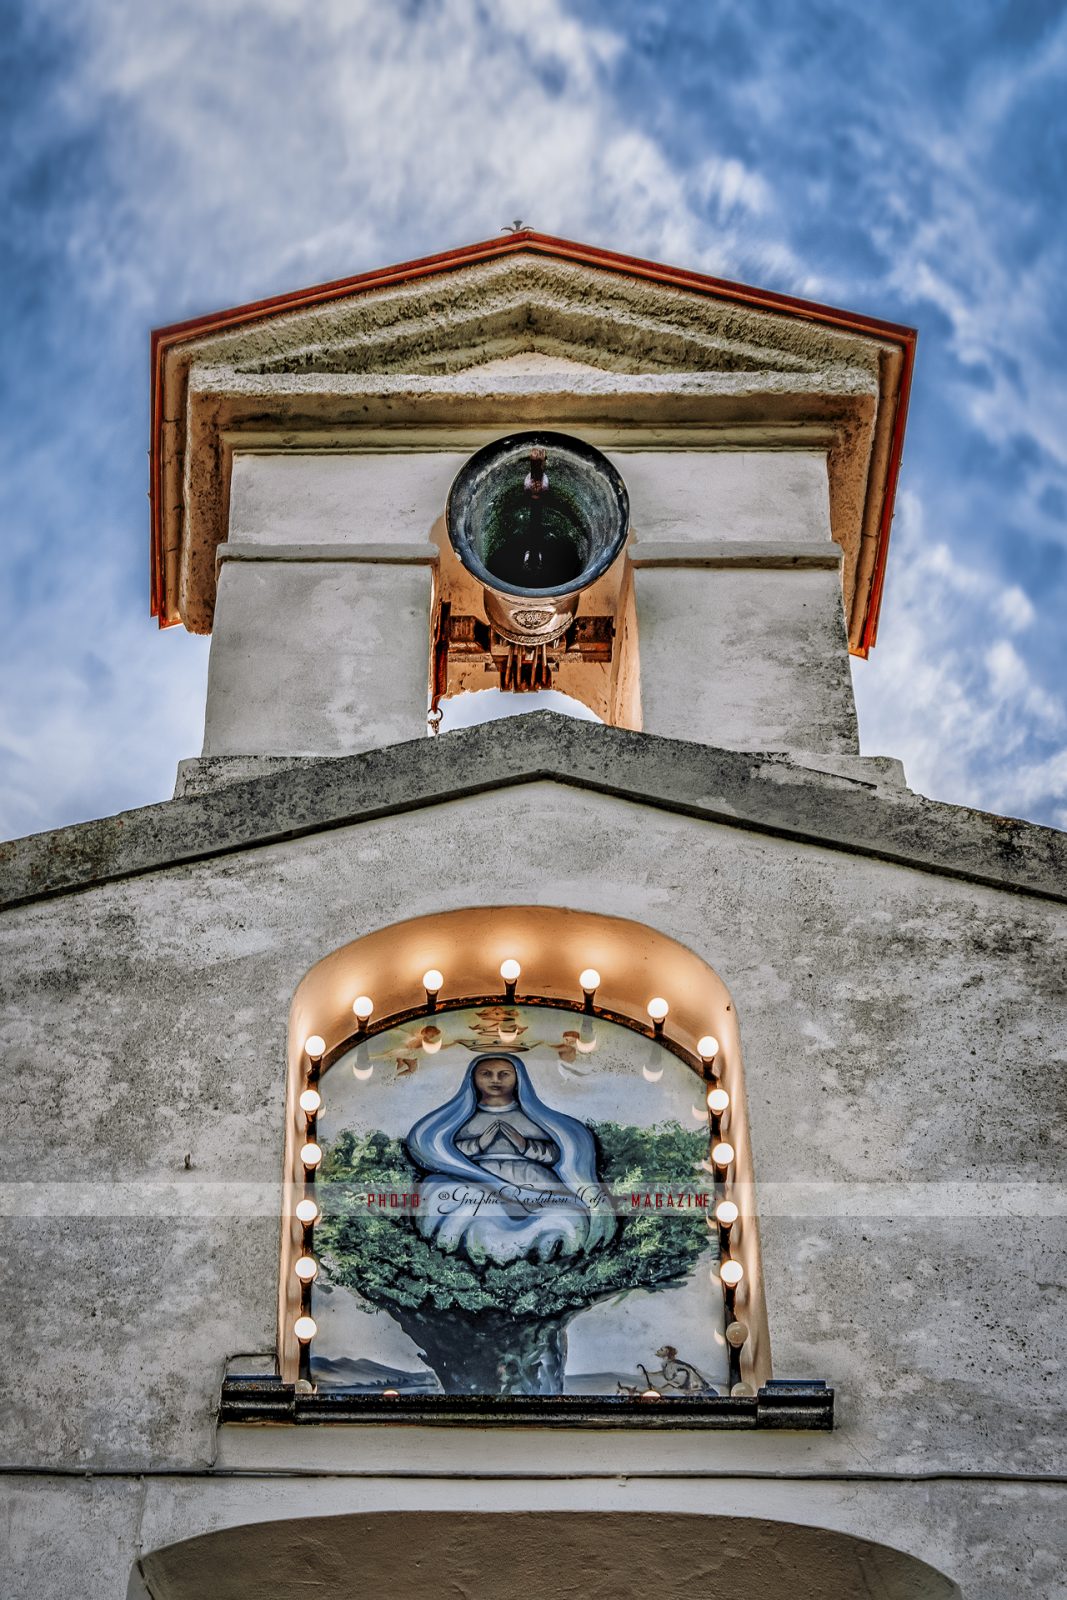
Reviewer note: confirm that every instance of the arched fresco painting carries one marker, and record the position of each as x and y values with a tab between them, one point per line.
516	1201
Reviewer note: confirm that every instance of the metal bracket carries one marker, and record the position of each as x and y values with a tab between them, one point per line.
522	668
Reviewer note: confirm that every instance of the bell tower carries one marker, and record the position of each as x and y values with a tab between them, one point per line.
553	1156
707	472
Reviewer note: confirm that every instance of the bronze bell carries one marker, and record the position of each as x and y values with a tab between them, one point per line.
536	518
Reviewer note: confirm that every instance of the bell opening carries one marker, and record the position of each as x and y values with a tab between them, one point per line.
538	514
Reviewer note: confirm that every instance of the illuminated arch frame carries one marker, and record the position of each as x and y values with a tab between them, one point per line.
553	947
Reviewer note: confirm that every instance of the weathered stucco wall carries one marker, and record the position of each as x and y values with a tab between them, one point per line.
377	494
324	610
319	657
900	1030
744	658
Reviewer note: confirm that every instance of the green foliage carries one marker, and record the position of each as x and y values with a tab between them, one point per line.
378	1252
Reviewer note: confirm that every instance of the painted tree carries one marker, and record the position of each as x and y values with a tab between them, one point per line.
488	1329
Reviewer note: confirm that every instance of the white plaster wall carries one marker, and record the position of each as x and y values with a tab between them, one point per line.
774	495
363	497
386	495
318	657
894	1044
331	658
745	658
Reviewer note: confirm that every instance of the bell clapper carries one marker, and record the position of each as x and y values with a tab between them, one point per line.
537	478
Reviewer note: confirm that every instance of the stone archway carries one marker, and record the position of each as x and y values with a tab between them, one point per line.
534	1556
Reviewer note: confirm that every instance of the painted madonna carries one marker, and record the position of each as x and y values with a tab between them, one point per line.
490	1221
505	1176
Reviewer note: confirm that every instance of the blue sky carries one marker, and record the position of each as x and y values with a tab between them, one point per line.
907	161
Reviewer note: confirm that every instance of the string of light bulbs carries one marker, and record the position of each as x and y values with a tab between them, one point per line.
730	1272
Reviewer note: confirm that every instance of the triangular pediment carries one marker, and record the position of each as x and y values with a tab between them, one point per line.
523	305
513	330
534	363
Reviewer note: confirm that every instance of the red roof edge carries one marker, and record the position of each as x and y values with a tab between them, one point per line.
869	633
176	333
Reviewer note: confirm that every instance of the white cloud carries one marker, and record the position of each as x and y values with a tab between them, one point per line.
730	183
287	149
961	709
1015	609
104	709
1008	676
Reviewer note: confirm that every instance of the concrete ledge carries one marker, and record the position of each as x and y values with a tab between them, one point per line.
414	554
731	553
199	775
204	774
764	793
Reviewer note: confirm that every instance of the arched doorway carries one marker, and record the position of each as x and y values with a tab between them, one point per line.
534	1556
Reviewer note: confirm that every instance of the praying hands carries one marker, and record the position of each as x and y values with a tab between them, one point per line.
505	1129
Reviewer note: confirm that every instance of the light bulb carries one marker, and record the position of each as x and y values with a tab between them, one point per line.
310	1101
433	981
726	1213
650	1394
736	1334
742	1391
590	980
307	1212
657	1009
311	1155
708	1047
731	1273
315	1046
305	1329
718	1101
508	1032
432	1040
509	971
363	1005
722	1154
306	1268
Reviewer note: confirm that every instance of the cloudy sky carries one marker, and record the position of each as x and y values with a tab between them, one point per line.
904	160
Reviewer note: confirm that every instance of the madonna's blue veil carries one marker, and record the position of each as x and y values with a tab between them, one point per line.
431	1144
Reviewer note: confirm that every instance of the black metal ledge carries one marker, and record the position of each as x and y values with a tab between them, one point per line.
793	1405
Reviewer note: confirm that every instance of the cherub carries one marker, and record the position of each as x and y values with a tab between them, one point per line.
496	1025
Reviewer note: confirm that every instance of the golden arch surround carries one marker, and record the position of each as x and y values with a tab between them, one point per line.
553	946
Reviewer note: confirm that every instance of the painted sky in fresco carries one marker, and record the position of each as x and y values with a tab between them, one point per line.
906	161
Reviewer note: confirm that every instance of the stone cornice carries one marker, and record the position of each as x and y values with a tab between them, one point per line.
769	794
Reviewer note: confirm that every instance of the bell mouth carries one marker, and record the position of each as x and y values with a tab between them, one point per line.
549	528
